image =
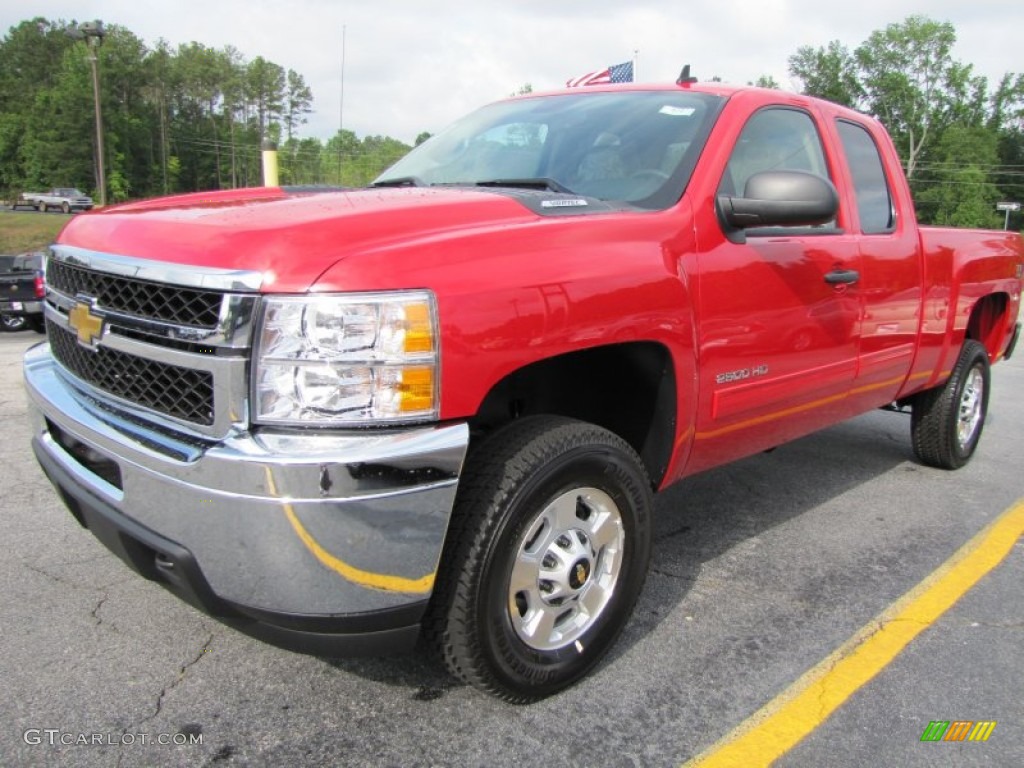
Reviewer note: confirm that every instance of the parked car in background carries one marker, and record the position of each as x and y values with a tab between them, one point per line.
68	199
22	289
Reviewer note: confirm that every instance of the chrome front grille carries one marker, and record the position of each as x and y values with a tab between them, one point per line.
141	298
165	342
181	393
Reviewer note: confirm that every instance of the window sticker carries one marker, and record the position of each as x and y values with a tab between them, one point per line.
668	109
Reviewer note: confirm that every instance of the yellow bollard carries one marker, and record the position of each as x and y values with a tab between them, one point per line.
269	164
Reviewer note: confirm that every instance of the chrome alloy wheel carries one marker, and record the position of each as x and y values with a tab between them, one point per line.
566	569
971	407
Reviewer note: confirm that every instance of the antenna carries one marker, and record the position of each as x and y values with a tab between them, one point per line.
684	77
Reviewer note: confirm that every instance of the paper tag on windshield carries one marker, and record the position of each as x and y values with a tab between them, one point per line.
677	111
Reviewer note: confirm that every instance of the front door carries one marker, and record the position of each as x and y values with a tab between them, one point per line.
778	314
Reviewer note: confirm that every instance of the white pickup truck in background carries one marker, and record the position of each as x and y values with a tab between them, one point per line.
67	199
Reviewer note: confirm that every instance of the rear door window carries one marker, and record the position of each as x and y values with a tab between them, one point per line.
870	185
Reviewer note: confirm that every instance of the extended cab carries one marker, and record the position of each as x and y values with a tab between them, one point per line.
439	407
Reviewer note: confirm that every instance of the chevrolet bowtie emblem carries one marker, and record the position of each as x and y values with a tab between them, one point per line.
85	324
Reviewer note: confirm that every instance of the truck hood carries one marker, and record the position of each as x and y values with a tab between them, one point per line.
289	237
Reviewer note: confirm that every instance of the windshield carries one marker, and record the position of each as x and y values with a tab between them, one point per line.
631	147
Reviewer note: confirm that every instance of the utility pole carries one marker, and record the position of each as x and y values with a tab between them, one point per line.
93	33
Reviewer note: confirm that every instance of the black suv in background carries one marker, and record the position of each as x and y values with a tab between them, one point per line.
22	290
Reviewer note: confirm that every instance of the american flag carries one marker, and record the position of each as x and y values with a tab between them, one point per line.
617	73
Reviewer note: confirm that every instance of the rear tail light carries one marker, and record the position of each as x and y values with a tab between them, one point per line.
40	287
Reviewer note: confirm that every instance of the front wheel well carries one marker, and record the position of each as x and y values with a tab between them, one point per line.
627	388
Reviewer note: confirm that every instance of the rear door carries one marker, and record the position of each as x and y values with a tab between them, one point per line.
891	280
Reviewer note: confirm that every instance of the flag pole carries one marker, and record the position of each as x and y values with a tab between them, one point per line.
636	65
341	104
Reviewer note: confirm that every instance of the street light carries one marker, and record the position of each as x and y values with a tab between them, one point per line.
93	33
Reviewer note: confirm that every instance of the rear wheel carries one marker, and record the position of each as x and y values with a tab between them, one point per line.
546	555
946	422
65	207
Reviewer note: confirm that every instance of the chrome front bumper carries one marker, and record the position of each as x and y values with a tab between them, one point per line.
304	530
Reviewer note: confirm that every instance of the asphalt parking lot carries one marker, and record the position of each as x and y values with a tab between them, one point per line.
760	571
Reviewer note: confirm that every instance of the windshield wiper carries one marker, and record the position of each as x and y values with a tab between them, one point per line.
401	181
540	182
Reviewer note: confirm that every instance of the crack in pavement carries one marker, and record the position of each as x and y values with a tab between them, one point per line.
43	572
158	707
177	680
78	584
675	576
95	611
995	625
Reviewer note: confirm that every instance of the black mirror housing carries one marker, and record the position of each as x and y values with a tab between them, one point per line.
781	199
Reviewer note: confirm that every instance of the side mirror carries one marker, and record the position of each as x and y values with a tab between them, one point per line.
781	199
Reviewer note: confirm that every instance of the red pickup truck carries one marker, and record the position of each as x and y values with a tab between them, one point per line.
439	407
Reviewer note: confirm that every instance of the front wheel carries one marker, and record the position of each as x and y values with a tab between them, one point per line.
546	555
946	422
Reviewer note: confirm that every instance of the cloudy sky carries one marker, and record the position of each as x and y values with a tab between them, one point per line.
415	66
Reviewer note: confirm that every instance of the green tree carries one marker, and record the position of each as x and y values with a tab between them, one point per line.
31	61
765	81
959	189
829	73
176	119
265	89
912	82
157	91
298	102
128	115
57	147
906	76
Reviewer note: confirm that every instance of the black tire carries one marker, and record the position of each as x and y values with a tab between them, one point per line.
42	207
581	562
38	323
946	422
65	207
13	322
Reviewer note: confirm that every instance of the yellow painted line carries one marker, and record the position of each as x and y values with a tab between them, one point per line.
371	579
782	723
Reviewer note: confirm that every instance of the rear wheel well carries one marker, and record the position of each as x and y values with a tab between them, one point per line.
987	323
628	389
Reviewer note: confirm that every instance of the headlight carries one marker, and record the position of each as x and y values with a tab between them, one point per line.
349	360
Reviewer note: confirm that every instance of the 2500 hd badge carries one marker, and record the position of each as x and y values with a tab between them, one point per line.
741	374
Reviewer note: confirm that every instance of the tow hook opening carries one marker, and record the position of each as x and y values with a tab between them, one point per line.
102	466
